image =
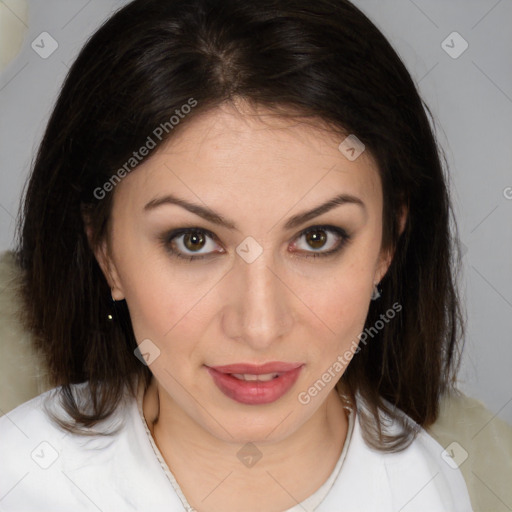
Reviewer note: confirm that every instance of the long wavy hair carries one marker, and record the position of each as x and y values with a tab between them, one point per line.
322	60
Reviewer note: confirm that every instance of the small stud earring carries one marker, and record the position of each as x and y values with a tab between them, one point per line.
110	316
377	292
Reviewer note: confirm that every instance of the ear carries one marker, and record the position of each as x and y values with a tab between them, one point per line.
103	255
386	257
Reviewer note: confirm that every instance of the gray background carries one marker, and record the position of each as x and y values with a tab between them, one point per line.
471	99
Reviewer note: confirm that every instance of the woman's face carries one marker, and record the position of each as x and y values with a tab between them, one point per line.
267	275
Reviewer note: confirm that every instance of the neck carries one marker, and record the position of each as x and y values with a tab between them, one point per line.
200	461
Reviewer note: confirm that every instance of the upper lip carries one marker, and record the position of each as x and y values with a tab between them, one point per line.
255	369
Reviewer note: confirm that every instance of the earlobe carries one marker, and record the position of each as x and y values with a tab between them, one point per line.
101	253
113	280
383	266
386	258
404	212
109	270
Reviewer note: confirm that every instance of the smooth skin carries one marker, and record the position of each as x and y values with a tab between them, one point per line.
257	170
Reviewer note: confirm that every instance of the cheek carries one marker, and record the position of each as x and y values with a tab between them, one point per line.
343	304
157	297
341	301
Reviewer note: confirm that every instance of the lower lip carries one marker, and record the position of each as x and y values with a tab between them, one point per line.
254	392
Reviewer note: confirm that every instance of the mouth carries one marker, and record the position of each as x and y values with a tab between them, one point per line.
265	377
255	384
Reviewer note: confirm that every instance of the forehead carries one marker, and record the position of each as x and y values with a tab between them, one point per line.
252	156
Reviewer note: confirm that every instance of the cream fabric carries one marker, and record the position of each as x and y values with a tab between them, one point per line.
22	376
486	439
13	27
488	443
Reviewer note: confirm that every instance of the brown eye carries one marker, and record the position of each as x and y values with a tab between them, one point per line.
321	241
194	241
191	243
316	239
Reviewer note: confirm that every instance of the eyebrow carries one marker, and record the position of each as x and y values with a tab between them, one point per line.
215	218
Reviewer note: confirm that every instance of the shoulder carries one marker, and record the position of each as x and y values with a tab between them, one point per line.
48	469
419	478
30	448
30	430
427	474
35	418
39	457
26	423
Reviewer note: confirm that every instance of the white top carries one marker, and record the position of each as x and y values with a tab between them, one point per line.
44	468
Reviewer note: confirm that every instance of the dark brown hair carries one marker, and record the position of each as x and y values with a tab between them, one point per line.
323	60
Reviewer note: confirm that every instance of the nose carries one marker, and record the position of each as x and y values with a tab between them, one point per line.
259	311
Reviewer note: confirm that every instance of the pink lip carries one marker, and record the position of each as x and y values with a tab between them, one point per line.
257	369
255	392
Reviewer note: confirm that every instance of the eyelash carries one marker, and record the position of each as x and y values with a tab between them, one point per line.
167	238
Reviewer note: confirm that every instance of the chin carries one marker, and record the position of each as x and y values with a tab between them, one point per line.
262	427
